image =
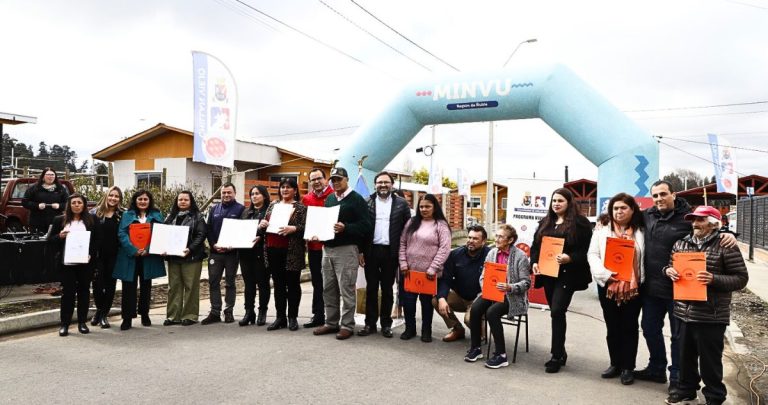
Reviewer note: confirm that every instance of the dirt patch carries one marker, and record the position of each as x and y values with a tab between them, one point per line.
159	299
751	314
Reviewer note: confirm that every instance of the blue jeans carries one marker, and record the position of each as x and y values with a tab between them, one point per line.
654	311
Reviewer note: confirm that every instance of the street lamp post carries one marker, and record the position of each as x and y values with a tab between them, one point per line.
490	208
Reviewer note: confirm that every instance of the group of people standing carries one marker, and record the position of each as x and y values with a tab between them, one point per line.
379	233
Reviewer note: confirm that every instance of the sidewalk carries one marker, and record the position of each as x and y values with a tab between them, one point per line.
758	271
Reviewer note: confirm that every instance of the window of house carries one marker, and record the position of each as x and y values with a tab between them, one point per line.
149	179
504	203
277	177
474	202
215	181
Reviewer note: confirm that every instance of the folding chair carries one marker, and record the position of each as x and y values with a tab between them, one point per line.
515	321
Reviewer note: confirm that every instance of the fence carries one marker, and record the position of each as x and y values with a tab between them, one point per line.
746	213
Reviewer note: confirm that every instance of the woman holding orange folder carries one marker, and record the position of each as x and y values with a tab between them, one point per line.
618	286
563	223
135	266
424	247
515	302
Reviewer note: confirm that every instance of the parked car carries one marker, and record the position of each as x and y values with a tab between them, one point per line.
13	216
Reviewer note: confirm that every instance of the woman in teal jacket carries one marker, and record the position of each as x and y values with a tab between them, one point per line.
135	264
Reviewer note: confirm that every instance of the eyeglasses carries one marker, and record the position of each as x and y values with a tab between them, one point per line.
315	179
500	236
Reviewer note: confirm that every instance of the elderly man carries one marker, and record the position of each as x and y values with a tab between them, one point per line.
703	323
460	284
320	190
340	258
664	225
389	213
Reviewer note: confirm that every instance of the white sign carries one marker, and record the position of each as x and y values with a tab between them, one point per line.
320	221
281	214
527	203
169	239
76	247
237	233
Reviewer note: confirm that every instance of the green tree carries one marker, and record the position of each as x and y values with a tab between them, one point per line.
421	176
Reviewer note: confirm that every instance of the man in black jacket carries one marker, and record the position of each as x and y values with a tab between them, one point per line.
703	323
664	225
388	213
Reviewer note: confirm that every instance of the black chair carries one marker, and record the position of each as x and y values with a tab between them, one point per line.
516	321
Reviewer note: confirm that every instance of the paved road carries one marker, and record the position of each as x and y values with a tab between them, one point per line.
231	364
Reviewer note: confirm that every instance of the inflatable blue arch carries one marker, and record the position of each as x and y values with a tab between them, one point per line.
626	155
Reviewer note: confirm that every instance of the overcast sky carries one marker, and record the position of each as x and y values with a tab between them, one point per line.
94	72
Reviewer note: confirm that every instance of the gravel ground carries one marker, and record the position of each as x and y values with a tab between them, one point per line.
751	314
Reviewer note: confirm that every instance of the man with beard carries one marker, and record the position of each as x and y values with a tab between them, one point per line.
388	213
460	284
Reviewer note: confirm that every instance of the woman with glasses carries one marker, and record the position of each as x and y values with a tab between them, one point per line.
44	200
285	255
515	303
252	261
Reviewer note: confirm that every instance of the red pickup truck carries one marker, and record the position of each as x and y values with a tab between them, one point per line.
13	216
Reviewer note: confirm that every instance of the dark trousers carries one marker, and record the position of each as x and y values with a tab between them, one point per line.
222	264
130	292
104	284
493	311
254	275
409	307
621	323
559	299
287	283
76	280
380	269
702	349
654	311
316	270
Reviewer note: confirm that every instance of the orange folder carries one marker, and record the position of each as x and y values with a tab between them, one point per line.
550	248
620	257
417	282
688	265
492	274
140	235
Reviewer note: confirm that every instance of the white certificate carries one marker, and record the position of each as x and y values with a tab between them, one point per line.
281	214
320	221
237	233
76	247
169	239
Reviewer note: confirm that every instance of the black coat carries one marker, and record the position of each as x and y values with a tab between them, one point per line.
57	244
399	215
257	251
729	274
662	230
40	219
575	275
196	239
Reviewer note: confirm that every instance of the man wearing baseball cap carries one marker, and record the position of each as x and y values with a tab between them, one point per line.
664	225
340	256
703	323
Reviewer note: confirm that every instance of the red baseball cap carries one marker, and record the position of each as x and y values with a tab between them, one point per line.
704	211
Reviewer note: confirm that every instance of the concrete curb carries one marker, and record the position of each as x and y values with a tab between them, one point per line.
22	323
733	332
37	320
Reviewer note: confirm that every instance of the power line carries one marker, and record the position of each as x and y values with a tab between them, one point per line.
698	107
310	37
373	36
404	37
710	144
316	131
746	4
696	156
704	115
234	9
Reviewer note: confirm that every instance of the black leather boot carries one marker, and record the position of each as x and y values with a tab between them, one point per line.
104	322
83	328
96	318
293	324
249	318
262	319
64	329
279	323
